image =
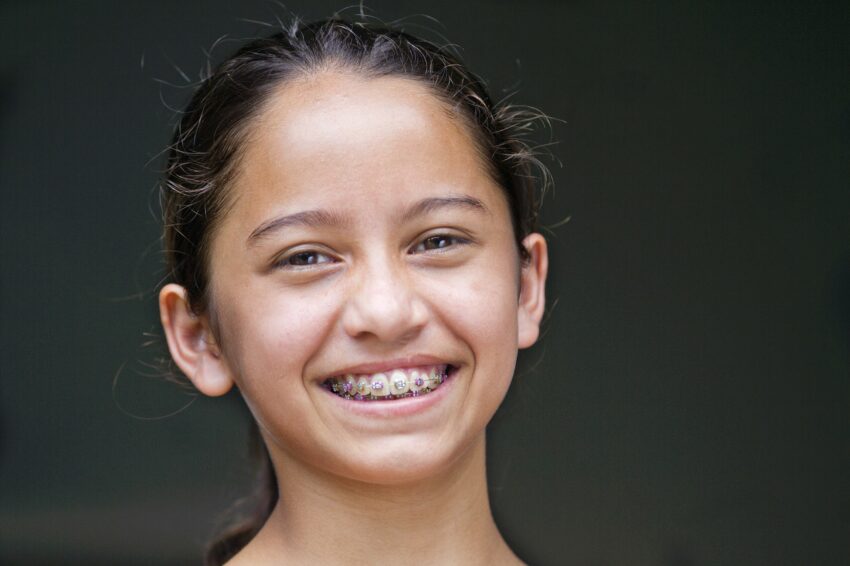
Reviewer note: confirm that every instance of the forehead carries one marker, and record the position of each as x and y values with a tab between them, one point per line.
312	112
334	135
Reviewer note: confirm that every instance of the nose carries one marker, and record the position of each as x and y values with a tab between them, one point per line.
384	303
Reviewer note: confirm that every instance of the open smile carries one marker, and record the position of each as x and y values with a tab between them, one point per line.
400	383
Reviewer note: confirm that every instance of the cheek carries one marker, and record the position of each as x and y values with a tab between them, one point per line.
270	337
480	305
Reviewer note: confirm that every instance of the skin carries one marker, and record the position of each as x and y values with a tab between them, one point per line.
375	278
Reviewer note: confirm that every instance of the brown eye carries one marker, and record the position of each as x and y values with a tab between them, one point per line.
438	242
304	259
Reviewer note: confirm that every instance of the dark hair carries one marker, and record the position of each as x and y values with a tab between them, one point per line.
205	152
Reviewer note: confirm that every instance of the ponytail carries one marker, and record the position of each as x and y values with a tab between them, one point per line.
245	525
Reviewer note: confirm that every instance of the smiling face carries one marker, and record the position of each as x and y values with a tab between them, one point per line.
366	239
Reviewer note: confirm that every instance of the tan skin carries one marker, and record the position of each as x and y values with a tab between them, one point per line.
393	248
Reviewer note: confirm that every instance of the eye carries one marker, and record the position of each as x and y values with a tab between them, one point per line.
438	242
304	258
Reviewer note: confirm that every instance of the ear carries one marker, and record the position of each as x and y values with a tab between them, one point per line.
192	344
532	293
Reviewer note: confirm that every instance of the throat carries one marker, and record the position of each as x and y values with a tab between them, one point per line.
452	507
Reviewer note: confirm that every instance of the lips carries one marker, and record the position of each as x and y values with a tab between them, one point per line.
399	383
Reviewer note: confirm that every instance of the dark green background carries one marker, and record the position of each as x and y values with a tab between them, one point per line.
689	403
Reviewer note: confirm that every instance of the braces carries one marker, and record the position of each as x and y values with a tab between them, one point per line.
363	391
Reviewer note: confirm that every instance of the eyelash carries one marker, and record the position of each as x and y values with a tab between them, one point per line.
455	241
309	255
286	261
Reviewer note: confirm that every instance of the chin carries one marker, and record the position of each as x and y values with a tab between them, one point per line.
401	461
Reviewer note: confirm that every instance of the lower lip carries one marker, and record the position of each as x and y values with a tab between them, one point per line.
397	407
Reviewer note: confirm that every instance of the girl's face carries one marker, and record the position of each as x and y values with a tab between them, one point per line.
366	238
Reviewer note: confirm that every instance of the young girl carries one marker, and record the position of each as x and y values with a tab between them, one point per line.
350	229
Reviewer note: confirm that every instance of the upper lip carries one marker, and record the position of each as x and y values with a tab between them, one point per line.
378	366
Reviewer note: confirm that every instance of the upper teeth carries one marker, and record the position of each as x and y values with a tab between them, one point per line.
380	385
398	382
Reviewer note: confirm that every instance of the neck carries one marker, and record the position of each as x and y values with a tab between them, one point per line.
328	520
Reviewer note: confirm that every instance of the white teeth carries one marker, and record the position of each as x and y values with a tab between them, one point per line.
380	385
434	381
389	385
398	383
417	381
363	386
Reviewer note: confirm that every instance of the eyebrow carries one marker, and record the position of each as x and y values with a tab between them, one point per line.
310	218
320	217
428	205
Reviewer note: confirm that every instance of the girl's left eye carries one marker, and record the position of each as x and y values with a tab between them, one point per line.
437	242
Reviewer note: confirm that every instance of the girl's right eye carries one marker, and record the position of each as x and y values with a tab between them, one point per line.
304	258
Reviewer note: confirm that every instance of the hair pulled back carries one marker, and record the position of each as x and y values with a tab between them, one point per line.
205	151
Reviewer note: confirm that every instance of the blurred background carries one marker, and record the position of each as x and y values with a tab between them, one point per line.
689	402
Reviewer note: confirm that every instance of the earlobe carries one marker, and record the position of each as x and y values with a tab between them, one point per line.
532	297
192	344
